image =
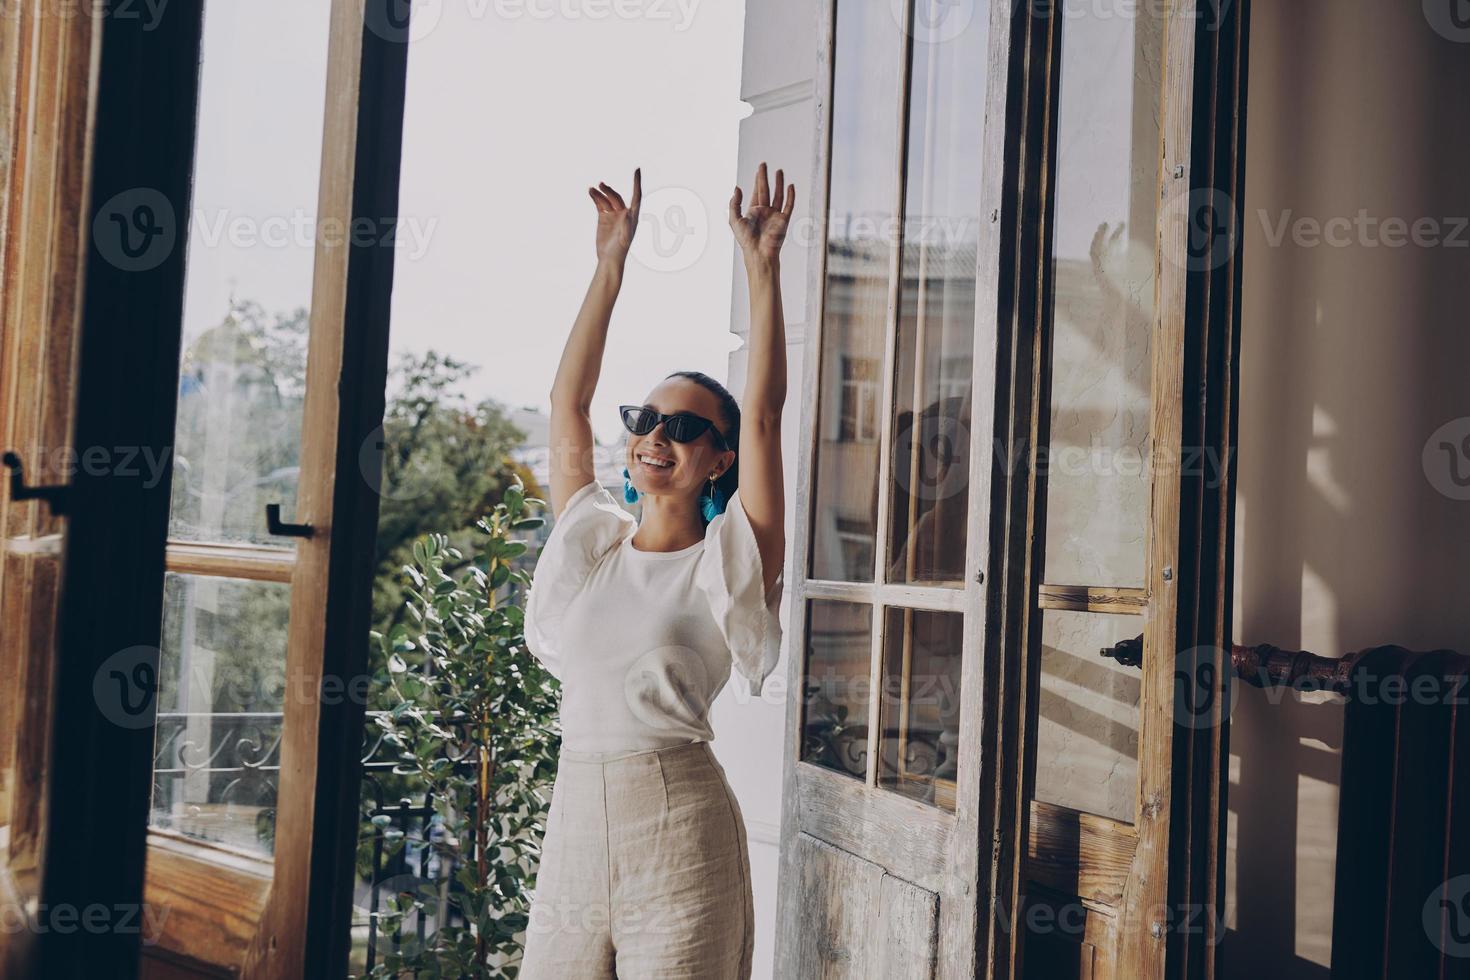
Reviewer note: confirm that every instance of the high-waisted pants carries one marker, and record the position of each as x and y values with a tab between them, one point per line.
644	871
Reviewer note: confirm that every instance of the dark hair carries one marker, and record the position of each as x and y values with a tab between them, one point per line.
730	409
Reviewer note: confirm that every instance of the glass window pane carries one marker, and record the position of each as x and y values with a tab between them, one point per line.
220	700
860	231
918	754
251	254
1087	737
839	653
936	312
1107	185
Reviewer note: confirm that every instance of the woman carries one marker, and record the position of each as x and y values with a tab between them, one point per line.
644	870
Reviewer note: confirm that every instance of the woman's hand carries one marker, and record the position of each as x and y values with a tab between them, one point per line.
762	230
617	222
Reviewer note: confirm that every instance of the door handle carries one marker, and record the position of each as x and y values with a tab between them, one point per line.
280	528
53	497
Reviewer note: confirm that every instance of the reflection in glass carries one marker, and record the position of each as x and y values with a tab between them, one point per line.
918	754
936	325
1107	186
860	231
836	693
1087	737
238	434
251	256
220	699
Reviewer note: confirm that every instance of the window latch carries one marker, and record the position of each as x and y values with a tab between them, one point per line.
53	497
280	528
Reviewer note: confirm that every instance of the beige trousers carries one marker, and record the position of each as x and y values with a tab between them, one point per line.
644	871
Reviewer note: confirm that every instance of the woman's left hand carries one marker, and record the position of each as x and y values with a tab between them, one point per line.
761	230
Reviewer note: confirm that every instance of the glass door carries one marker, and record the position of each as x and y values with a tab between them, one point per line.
879	834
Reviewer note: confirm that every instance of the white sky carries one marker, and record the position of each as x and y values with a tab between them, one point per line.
514	108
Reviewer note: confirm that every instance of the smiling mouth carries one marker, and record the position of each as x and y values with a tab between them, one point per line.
655	462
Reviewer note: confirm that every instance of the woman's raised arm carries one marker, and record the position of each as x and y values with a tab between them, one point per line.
572	466
760	232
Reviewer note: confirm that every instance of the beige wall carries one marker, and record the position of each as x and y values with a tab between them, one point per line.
1352	357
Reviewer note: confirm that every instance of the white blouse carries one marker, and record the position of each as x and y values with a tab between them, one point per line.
643	641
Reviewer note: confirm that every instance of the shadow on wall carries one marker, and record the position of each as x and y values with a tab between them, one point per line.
1354	358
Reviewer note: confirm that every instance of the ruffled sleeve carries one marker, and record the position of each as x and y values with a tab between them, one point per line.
731	577
590	524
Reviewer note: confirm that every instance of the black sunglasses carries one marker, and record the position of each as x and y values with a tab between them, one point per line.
680	427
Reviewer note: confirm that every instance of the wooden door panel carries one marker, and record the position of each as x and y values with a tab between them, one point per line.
859	921
887	773
909	924
1149	335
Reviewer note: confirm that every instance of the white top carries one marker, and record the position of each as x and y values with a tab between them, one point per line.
643	641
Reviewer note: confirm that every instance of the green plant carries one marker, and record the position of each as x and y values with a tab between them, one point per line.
473	725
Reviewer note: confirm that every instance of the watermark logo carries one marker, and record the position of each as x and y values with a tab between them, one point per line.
1206	218
673	232
125	687
935	21
402	21
1449	18
388	476
1447	917
1204	688
666	687
1446	459
937	445
136	230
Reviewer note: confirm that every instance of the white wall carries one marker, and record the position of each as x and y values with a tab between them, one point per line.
1352	357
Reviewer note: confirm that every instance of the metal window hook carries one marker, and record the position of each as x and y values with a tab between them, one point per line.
54	496
280	528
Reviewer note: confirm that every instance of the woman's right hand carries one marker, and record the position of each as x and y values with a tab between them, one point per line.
617	222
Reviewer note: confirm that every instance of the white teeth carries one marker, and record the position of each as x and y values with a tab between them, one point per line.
651	461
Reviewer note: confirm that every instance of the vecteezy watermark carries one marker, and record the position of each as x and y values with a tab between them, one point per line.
673	230
403	21
934	456
150	12
1449	18
1447	917
934	21
1206	218
665	688
1204	688
1212	12
302	229
125	687
1364	230
59	464
65	919
389	476
136	229
1447	459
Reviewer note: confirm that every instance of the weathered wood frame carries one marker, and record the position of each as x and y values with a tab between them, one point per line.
1161	874
99	372
930	847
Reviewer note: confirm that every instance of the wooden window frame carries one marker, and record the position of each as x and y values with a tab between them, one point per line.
289	915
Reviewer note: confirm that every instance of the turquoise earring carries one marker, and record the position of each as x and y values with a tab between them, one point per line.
712	503
630	492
